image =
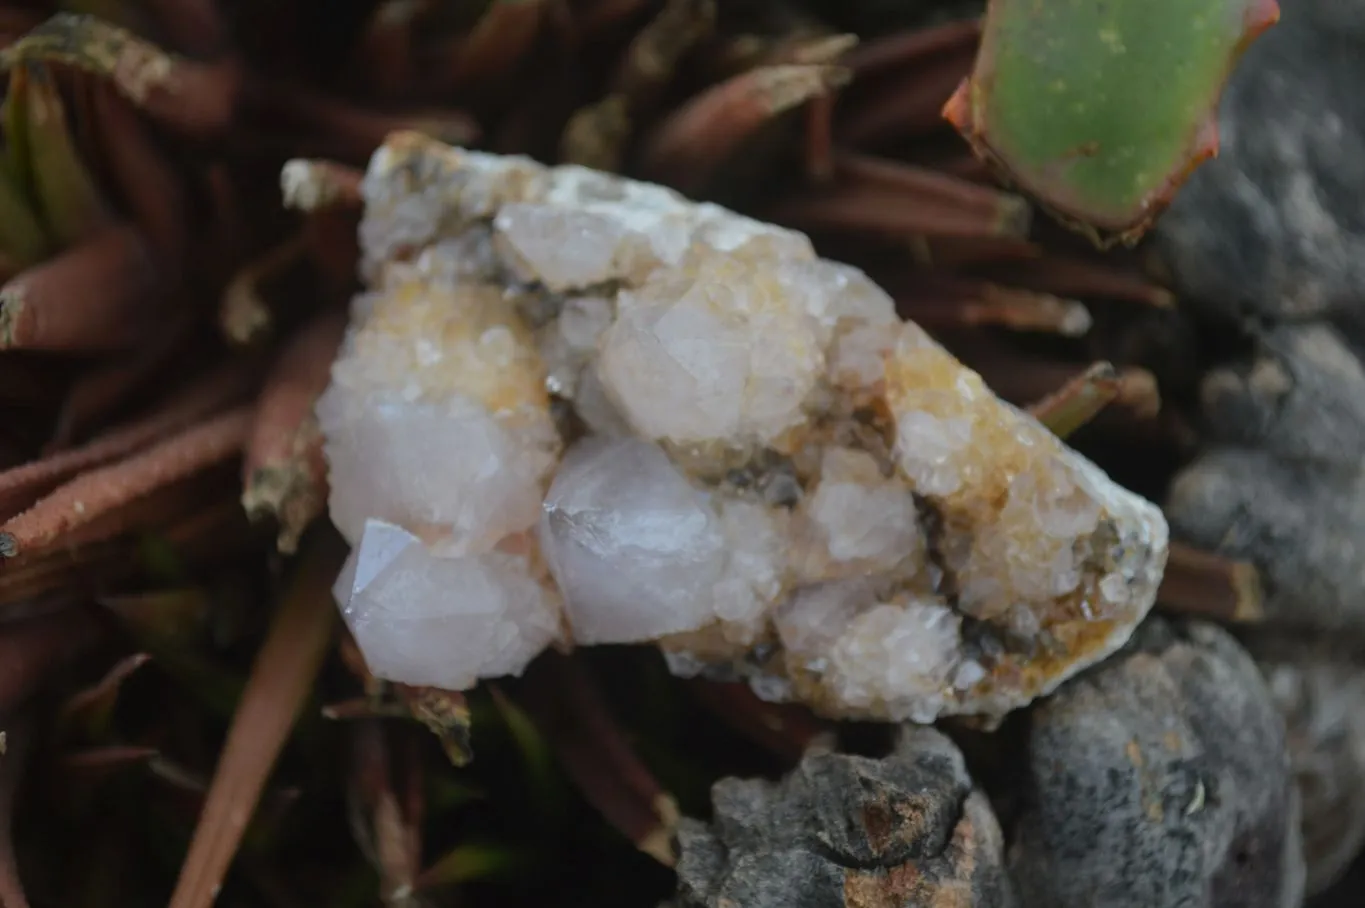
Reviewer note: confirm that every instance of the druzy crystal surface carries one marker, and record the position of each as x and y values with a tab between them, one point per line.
578	409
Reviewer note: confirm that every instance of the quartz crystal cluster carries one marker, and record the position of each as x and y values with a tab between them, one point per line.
577	409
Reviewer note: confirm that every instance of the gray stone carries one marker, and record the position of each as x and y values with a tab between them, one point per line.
1159	778
1300	395
1302	524
840	830
1321	695
1274	228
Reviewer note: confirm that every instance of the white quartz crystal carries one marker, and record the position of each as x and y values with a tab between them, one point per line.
431	618
635	549
574	408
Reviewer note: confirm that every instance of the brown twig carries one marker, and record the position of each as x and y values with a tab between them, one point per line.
199	533
1079	400
390	839
877	211
1067	276
148	184
280	682
311	186
906	181
99	492
946	302
243	314
32	649
97	395
569	710
688	146
499	41
896	51
1207	585
210	393
820	138
908	105
194	98
95	296
783	729
284	474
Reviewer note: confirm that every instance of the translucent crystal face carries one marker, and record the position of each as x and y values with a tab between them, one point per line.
577	408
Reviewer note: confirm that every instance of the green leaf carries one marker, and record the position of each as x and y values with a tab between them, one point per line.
1101	109
68	199
470	861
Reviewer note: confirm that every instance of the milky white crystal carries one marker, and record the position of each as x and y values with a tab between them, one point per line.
574	408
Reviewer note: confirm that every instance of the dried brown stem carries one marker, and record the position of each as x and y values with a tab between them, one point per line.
820	138
33	649
687	148
197	99
284	474
652	57
385	52
1206	585
100	492
99	697
499	41
280	682
1067	276
311	186
199	533
783	729
304	123
959	252
243	314
149	186
1078	401
907	106
95	296
110	756
209	394
596	135
392	842
570	711
878	211
996	306
96	395
906	181
909	48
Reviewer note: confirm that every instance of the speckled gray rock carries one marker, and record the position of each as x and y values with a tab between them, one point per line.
1302	524
1160	778
906	831
1321	695
1275	227
1299	395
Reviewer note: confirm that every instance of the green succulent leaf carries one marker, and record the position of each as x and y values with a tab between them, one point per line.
1102	108
68	199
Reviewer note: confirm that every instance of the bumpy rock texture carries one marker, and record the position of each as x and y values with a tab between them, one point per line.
1160	778
1270	236
906	831
1274	228
578	408
1321	695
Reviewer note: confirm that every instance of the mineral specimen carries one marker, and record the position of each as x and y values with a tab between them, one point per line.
1160	778
574	408
908	830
